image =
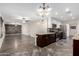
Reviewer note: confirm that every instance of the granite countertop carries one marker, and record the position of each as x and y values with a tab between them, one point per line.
46	33
76	37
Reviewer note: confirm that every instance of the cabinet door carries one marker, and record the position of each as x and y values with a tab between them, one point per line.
52	38
75	47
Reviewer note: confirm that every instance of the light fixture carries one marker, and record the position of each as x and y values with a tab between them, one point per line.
56	13
24	19
67	10
44	10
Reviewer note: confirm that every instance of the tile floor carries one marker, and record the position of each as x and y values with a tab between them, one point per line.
21	45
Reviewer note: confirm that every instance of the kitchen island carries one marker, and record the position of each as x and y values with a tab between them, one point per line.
44	39
76	45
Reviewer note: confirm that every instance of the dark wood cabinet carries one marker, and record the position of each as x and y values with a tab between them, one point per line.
75	47
59	35
45	39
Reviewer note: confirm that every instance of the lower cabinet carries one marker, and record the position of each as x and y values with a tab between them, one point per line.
75	47
46	39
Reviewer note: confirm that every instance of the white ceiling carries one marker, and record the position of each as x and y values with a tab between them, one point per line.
11	11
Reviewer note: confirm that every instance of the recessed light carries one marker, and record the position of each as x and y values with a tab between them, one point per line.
49	9
56	13
25	18
73	17
67	10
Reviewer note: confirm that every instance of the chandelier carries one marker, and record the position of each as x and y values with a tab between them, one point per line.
44	10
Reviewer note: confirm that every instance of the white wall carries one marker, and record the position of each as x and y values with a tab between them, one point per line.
49	23
73	32
38	27
25	28
53	21
2	38
67	30
77	27
34	27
